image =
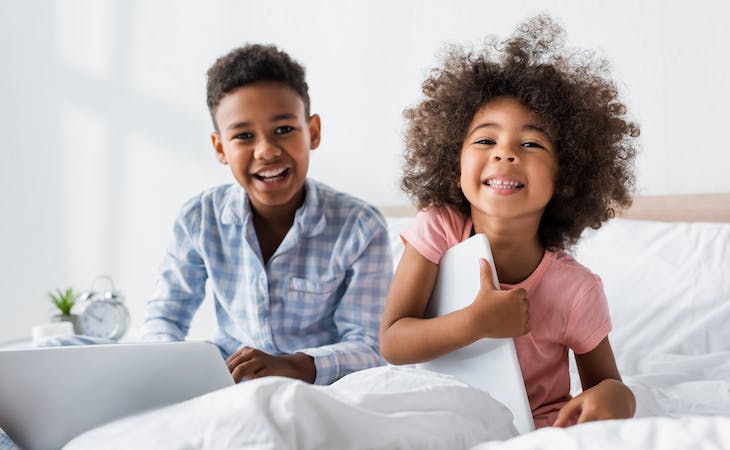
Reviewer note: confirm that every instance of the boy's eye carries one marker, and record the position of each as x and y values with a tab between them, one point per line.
485	141
244	135
283	129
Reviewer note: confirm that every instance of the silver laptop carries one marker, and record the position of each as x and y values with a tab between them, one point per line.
488	364
50	395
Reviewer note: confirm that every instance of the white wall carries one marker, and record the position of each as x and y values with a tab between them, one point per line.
104	131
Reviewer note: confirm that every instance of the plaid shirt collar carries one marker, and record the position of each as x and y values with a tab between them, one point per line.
309	218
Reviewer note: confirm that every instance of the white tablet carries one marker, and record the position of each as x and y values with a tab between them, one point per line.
488	364
50	395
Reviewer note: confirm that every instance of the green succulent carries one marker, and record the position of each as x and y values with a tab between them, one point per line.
64	300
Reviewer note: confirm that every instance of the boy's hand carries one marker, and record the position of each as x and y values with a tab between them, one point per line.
249	363
495	313
609	399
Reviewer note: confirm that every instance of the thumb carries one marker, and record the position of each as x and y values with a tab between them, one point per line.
568	414
486	280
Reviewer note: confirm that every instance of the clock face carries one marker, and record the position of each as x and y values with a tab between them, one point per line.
102	318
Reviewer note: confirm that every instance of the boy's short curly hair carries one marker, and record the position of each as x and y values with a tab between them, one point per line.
571	93
250	64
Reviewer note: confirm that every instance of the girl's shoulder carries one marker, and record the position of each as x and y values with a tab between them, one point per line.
562	268
434	230
445	217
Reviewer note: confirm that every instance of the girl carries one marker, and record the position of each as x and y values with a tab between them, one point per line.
529	146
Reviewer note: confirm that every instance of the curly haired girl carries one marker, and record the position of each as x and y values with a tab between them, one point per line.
529	144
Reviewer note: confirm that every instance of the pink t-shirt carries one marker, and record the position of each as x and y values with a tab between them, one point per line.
568	309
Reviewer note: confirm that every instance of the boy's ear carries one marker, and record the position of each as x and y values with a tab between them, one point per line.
315	128
218	146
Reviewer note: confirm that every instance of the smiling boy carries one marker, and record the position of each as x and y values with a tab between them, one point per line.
298	271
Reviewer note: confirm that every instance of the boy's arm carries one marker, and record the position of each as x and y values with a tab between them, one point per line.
180	287
358	313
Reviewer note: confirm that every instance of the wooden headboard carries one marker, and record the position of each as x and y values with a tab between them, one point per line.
668	208
680	208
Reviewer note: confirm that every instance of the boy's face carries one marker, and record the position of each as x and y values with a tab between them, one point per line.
265	138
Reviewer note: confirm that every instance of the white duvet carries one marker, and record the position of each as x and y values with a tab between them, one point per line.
683	403
381	408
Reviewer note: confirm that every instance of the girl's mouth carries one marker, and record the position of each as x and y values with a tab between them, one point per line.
503	184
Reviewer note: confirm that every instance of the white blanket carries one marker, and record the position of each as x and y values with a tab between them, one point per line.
660	433
381	408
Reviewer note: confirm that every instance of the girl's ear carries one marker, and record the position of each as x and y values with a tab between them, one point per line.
218	146
315	127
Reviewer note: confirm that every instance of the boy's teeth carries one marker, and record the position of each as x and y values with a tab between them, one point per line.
271	173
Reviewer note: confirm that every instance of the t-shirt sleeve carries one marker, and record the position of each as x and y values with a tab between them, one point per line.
428	235
589	320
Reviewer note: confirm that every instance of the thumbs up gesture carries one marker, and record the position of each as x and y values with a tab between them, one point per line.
495	313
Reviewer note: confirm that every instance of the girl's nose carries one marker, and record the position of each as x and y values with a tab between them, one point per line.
505	155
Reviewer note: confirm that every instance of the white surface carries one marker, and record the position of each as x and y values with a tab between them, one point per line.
668	284
49	395
49	330
105	132
488	364
660	433
381	408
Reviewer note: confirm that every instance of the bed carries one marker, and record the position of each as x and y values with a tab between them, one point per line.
665	265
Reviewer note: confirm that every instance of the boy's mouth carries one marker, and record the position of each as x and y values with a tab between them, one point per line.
272	175
495	183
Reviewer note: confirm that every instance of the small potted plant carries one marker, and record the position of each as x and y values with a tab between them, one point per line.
64	301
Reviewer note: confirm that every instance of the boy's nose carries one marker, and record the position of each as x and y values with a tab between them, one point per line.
266	150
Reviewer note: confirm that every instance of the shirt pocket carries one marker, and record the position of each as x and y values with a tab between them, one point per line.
311	301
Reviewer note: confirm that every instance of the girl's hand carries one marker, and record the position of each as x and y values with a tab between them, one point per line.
495	313
609	399
249	363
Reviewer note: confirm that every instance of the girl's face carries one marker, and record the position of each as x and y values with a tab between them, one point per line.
508	163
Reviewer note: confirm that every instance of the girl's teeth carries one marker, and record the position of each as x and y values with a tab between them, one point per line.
503	184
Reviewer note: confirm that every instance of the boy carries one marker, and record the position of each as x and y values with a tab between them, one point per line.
299	272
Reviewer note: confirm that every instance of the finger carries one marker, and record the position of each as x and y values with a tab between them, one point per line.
486	280
236	353
239	357
246	370
568	413
263	372
589	415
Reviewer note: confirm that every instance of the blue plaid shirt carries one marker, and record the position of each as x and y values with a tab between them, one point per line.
322	292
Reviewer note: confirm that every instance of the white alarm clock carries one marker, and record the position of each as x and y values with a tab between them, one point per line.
102	313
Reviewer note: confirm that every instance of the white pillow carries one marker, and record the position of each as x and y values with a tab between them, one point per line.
397	225
668	284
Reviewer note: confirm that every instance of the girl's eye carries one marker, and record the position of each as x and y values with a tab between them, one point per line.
532	145
284	129
485	141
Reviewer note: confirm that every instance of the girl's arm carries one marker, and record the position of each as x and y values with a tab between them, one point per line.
604	396
406	337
